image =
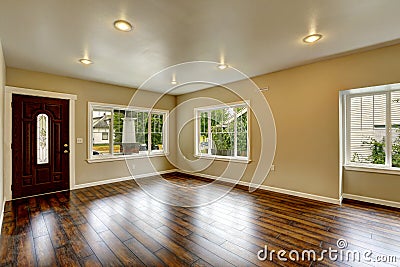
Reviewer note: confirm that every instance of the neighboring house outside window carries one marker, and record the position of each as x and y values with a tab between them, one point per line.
101	128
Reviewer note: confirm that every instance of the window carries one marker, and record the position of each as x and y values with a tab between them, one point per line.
118	132
373	128
42	143
223	131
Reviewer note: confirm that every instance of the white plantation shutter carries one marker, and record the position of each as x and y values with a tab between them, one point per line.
395	112
367	123
395	131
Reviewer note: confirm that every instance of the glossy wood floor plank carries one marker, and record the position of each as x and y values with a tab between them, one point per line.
143	253
91	261
44	251
119	224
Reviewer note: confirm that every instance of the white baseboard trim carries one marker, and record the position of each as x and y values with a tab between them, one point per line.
2	214
269	188
372	200
115	180
153	173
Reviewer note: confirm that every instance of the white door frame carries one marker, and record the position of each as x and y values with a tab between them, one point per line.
9	91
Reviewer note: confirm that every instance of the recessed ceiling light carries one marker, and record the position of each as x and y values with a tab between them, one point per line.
173	82
85	61
312	38
122	25
222	66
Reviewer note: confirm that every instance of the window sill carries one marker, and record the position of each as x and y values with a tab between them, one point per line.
374	169
224	158
118	158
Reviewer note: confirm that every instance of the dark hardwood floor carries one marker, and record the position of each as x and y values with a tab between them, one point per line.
119	224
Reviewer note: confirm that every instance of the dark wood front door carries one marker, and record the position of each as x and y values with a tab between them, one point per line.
40	145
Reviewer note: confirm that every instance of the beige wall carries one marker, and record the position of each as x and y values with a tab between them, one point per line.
373	185
88	91
2	83
304	101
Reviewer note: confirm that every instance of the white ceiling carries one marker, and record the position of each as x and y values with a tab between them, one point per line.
254	36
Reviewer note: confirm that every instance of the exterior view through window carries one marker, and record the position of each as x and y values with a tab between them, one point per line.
223	131
373	129
120	131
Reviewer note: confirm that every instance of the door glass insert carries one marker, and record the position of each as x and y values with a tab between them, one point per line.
42	139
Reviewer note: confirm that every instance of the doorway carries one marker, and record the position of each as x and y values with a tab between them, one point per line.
40	145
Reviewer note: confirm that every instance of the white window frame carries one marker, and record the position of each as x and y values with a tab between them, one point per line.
345	98
111	157
209	109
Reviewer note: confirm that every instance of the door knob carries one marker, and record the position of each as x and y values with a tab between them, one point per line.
66	151
65	145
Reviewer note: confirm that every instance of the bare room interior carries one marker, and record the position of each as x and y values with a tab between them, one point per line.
200	133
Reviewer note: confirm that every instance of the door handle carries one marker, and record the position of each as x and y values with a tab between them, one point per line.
66	150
